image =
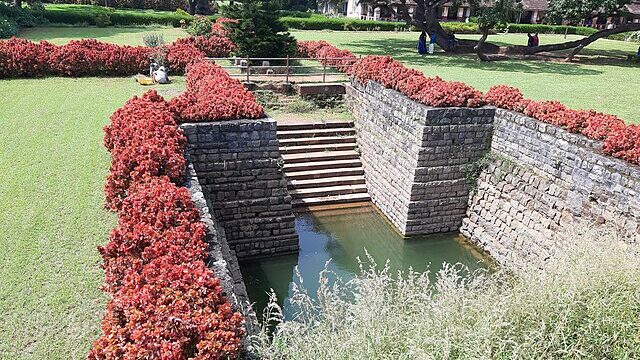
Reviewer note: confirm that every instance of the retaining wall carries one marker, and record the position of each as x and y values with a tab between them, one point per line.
542	180
414	156
240	171
222	260
536	179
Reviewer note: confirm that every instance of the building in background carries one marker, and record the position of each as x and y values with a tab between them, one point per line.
533	12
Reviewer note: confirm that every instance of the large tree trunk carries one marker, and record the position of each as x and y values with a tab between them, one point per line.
577	45
479	48
426	19
192	6
17	3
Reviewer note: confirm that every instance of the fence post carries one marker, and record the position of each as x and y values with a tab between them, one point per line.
248	69
287	71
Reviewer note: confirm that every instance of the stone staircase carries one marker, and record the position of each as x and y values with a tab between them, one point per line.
321	163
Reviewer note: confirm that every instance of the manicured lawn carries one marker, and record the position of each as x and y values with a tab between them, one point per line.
599	82
52	172
116	35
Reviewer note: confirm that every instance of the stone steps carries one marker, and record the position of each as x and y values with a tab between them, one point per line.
329	191
331	200
320	140
301	149
307	133
327	181
321	163
320	156
314	125
324	173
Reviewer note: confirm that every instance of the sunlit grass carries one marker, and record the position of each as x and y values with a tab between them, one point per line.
604	80
52	172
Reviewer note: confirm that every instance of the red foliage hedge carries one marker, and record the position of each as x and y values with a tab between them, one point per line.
165	302
89	57
212	94
619	140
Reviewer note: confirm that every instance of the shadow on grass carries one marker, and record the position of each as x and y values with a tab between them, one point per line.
403	50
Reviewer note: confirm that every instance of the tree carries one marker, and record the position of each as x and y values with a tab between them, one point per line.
575	11
258	32
491	15
425	18
199	7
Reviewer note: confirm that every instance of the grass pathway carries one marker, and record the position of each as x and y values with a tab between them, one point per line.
52	172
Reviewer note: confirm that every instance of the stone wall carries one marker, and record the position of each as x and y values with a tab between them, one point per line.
240	171
543	179
221	259
414	156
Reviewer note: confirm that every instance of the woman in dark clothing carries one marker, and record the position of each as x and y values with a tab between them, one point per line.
422	43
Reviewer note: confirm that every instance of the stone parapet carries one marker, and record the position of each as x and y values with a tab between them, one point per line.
240	171
414	156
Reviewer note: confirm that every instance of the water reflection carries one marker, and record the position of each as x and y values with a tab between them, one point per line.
342	236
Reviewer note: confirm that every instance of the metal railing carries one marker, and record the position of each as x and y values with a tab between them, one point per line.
287	68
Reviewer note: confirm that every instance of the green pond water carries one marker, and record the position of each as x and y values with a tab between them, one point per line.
342	236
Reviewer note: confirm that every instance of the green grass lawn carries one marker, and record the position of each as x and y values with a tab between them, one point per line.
52	172
116	35
603	80
53	167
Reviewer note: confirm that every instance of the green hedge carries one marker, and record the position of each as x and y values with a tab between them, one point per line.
86	14
307	21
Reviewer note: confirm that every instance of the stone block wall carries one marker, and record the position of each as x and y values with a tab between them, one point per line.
240	171
543	179
221	259
415	157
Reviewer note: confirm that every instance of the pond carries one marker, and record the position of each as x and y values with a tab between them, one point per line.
341	236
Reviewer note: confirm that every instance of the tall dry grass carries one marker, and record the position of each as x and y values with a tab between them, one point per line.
584	304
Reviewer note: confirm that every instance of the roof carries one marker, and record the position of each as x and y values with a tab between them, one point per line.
535	4
634	8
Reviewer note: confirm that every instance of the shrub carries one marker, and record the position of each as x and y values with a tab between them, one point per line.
199	26
217	98
506	97
166	303
583	304
8	28
62	14
144	142
181	54
21	16
153	40
102	20
23	58
429	91
624	143
257	31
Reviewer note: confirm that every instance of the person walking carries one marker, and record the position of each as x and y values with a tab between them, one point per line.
432	42
422	43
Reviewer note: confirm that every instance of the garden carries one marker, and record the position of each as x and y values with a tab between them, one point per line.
105	254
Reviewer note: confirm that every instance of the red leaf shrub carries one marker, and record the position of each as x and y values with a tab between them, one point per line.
327	54
89	57
179	55
144	142
213	95
166	303
429	91
506	97
23	58
624	143
211	46
198	71
599	126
